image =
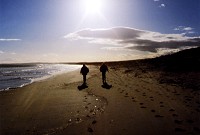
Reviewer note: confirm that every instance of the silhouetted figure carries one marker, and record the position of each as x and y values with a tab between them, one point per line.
84	71
103	70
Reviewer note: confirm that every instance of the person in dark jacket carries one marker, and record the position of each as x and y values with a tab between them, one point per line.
103	70
84	71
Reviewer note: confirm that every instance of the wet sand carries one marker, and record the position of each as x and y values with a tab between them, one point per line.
141	101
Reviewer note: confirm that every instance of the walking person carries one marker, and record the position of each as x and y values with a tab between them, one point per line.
103	70
84	71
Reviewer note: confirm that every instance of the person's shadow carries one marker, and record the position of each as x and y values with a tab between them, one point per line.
83	86
106	86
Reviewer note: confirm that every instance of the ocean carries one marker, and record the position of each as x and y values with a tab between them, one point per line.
18	75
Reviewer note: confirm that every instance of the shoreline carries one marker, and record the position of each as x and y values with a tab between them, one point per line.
33	80
37	80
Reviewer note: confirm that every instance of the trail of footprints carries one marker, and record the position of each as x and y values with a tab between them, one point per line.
144	92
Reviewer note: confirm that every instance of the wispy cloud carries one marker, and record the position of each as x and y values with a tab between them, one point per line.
162	5
124	38
7	53
9	39
156	0
185	30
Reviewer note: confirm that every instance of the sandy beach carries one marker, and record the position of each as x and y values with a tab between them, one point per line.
142	101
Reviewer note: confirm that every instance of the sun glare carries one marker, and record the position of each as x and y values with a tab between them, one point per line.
93	6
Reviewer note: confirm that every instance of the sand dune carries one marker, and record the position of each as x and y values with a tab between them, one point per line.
148	97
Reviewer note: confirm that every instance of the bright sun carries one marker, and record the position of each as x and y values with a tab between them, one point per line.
93	6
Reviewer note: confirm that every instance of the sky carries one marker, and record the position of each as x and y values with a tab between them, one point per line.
96	30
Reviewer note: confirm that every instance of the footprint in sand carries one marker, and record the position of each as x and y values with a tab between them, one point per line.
178	121
174	115
134	100
174	92
137	90
179	130
190	121
162	106
126	95
159	116
188	105
90	130
171	110
153	110
78	120
94	122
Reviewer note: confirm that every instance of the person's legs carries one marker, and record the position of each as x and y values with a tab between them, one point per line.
84	79
103	77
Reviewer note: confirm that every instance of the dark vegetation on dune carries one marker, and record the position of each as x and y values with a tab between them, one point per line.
181	68
186	60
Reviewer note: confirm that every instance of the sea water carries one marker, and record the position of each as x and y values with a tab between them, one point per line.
19	75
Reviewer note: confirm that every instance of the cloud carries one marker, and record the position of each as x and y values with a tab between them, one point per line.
185	30
7	53
162	5
124	38
9	39
112	33
156	0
